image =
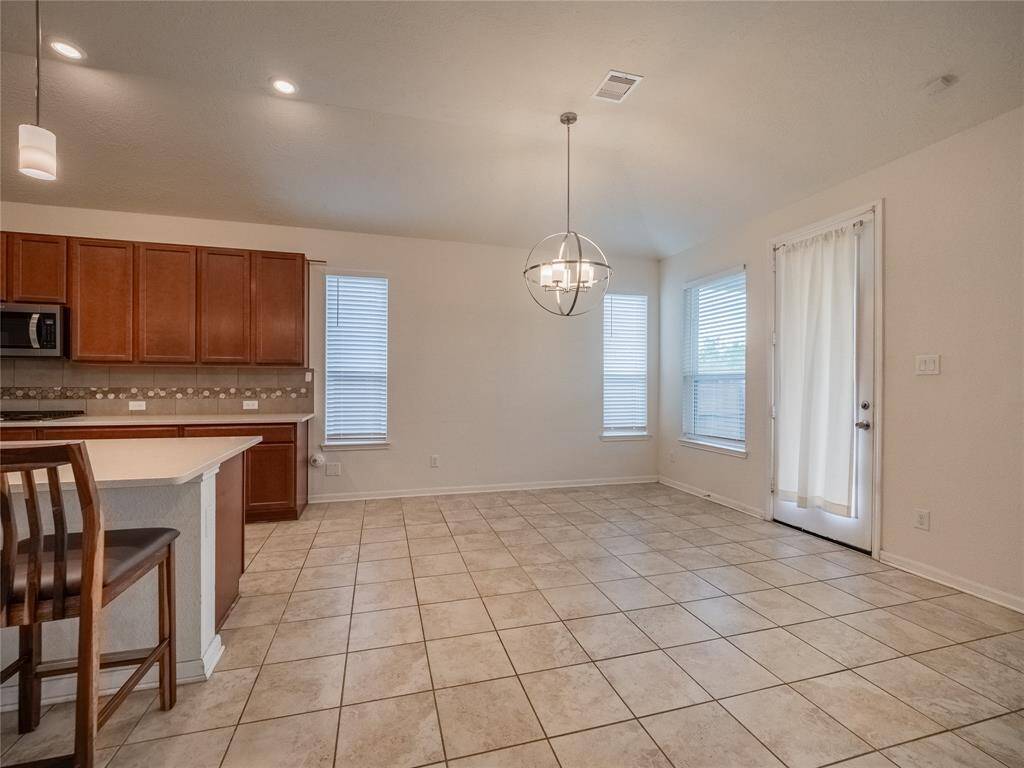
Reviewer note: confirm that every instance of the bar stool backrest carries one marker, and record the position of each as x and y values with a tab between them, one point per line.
24	461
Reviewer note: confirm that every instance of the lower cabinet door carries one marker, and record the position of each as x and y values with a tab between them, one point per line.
269	479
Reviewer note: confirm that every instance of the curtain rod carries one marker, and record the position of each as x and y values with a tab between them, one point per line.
854	219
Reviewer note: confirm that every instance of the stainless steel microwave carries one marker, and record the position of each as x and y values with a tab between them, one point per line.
32	330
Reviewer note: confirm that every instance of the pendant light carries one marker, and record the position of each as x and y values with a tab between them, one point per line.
567	273
37	147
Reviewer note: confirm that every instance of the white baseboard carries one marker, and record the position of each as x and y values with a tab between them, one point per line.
1006	599
61	688
322	498
725	501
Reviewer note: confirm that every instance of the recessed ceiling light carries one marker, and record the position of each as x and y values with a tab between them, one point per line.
67	50
284	87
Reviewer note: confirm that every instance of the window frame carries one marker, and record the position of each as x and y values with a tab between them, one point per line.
727	446
357	444
642	433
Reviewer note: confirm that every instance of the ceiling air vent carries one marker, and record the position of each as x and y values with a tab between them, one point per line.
616	86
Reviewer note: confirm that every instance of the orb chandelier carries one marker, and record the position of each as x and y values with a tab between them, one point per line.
567	273
37	147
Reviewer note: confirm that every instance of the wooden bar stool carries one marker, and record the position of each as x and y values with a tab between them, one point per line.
63	575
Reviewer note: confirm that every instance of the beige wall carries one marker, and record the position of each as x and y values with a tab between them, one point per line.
954	285
479	375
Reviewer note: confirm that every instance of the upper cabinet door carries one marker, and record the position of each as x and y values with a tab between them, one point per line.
165	303
3	266
279	308
225	306
101	288
37	268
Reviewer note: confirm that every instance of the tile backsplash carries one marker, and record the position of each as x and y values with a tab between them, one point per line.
33	384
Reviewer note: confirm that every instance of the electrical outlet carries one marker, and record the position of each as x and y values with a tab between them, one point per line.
435	461
922	519
928	365
309	376
332	470
136	405
250	405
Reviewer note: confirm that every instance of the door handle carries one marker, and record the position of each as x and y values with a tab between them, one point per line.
863	425
33	335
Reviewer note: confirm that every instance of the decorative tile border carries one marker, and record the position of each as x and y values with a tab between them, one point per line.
153	393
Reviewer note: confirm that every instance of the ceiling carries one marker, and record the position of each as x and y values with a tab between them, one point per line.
440	120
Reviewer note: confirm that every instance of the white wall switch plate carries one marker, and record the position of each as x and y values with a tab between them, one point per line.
136	405
333	470
250	405
927	365
922	519
435	461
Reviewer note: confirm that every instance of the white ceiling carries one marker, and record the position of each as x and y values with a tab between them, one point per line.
440	120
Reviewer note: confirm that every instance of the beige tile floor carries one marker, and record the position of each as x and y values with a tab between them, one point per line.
603	627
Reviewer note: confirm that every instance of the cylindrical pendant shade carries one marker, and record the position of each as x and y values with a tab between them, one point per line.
37	152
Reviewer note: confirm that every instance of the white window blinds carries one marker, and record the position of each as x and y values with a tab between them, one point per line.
356	359
625	364
715	361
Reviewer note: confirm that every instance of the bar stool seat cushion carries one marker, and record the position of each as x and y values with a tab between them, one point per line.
124	551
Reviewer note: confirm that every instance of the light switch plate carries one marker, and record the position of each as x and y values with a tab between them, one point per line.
927	365
136	405
250	405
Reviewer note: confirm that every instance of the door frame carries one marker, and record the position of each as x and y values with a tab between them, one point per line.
877	208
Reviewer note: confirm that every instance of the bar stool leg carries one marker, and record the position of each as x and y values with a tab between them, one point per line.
29	685
168	660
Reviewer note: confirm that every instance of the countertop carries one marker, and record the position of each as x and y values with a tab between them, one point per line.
154	461
143	420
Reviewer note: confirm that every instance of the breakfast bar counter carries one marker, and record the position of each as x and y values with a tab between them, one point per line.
193	484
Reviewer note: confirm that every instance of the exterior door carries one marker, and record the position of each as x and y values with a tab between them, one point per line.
823	407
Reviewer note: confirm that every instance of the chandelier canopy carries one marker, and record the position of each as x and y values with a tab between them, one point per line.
567	273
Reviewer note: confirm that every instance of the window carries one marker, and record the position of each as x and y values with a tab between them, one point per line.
625	365
715	361
356	361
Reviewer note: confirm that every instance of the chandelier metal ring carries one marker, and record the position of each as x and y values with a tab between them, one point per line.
567	273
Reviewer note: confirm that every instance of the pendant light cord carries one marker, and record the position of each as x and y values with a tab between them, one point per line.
39	41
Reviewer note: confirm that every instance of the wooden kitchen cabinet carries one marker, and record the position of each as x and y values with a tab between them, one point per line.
165	303
275	482
275	469
279	308
104	433
230	536
3	266
11	434
269	479
36	268
101	300
225	306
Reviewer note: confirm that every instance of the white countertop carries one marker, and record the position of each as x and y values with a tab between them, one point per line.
143	420
153	461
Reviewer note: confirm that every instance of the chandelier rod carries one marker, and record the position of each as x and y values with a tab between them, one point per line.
568	186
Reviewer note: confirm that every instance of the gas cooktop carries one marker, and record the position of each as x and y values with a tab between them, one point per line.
38	415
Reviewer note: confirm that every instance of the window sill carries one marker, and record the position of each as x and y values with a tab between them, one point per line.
375	446
728	450
614	438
